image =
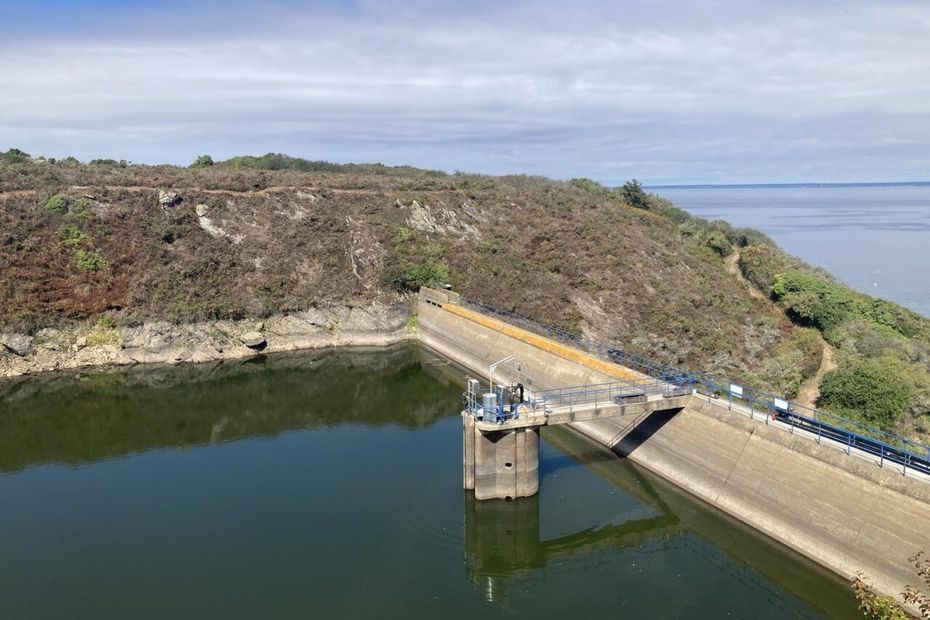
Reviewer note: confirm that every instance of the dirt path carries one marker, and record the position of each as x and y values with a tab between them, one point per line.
810	389
731	262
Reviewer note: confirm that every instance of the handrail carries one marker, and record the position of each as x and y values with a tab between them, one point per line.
882	443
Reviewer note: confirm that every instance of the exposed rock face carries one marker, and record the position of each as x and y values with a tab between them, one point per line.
253	340
168	199
17	344
377	324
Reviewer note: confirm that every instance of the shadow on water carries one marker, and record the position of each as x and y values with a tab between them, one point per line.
768	561
82	417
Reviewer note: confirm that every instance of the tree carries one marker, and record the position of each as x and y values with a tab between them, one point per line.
634	194
204	161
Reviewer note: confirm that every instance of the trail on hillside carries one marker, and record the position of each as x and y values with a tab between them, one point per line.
731	262
810	389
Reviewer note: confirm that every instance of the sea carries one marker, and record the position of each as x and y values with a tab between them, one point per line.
875	238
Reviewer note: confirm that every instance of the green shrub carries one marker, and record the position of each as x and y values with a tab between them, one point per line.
204	161
874	390
634	195
402	236
56	204
810	299
410	276
718	242
90	260
15	156
73	236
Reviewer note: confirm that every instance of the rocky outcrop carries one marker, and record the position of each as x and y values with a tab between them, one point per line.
253	340
167	200
377	324
17	344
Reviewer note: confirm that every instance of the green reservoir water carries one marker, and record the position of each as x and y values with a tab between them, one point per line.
328	485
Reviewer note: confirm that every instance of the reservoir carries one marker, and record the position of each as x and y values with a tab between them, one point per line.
329	484
876	239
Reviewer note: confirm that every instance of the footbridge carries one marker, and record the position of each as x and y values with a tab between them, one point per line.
501	425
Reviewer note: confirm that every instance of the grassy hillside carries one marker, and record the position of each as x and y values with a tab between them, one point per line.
252	237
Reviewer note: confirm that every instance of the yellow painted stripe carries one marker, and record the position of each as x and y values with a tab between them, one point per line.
545	344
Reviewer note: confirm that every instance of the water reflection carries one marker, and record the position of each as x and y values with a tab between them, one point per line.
82	417
502	540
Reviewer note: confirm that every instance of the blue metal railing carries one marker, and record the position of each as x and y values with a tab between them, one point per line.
824	424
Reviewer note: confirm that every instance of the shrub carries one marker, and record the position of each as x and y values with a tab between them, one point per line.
90	260
56	204
15	156
410	276
73	236
810	299
204	161
402	236
587	185
875	390
718	242
634	195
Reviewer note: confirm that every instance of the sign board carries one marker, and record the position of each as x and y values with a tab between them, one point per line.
736	390
781	404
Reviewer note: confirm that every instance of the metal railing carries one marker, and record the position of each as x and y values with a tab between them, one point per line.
824	424
546	402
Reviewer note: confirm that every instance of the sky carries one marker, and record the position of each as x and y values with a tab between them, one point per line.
717	91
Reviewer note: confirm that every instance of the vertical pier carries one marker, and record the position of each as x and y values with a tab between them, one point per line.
500	464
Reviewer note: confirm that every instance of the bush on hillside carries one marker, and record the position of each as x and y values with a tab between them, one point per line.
874	390
410	275
15	156
56	204
204	161
634	195
809	299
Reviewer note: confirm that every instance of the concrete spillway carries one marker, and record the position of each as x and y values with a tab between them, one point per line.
846	513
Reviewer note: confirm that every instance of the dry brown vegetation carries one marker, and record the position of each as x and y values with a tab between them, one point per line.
81	241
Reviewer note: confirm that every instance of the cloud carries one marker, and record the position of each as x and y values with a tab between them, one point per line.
721	92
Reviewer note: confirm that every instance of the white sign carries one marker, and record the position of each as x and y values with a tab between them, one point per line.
781	404
736	390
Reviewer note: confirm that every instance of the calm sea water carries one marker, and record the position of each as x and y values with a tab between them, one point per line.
328	485
876	239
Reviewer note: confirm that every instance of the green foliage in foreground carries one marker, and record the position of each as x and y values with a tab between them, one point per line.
877	607
876	390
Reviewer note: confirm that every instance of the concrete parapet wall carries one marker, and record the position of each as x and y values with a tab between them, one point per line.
844	513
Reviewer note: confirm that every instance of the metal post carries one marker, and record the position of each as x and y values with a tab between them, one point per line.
848	443
881	463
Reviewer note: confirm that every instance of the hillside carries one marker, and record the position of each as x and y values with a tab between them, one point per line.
110	245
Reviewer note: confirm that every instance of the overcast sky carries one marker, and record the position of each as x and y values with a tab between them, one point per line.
717	91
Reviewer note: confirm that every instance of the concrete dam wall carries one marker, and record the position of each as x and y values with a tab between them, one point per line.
842	512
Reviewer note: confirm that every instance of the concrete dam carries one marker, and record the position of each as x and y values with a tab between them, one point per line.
847	509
